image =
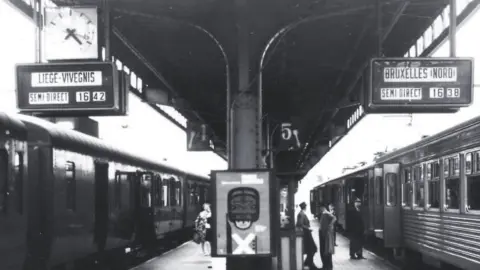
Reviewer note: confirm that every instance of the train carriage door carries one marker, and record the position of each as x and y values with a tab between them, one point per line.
392	222
101	204
378	191
371	199
145	228
146	179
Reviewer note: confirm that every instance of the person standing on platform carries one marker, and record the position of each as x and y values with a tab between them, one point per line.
202	227
327	237
309	246
357	230
331	208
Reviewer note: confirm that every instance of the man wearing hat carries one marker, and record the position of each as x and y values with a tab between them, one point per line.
309	246
326	236
356	229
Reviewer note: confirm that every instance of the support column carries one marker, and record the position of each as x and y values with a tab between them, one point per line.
37	18
246	141
453	28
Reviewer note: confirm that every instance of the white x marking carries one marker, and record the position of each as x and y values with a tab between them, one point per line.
243	244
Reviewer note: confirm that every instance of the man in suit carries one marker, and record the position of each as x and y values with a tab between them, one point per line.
309	246
357	230
326	236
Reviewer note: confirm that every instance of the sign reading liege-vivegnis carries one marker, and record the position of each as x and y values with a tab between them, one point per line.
62	79
417	82
67	87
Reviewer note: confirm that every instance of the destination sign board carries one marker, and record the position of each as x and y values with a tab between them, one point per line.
409	85
69	89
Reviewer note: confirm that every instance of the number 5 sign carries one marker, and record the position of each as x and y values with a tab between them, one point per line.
289	139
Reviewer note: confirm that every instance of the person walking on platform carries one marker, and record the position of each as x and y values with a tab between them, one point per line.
202	227
357	230
309	246
327	237
331	208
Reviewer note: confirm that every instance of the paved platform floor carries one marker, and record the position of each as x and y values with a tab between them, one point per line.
189	257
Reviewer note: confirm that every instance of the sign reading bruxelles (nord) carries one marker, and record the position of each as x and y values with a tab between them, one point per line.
406	85
243	213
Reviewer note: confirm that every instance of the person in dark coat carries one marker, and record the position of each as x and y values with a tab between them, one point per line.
326	236
331	208
357	230
309	246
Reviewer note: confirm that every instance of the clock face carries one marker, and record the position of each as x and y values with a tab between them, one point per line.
71	33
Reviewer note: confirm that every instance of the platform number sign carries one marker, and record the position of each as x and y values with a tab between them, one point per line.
289	137
198	138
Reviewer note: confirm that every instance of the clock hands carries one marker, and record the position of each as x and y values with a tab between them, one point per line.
71	33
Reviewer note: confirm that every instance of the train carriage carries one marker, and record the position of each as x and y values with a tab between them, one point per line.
13	213
422	198
70	199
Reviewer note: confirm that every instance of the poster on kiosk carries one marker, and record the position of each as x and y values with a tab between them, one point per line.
243	213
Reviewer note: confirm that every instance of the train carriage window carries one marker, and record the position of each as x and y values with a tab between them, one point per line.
71	185
201	195
340	195
197	195
379	189
157	190
117	191
207	199
177	193
3	180
473	189
365	193
429	172
18	166
468	163
407	188
145	188
452	185
192	194
419	198
454	166
477	162
165	197
436	169
446	168
173	191
434	187
121	197
391	192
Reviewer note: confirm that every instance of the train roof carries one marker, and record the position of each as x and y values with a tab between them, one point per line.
16	129
350	174
76	141
419	144
431	139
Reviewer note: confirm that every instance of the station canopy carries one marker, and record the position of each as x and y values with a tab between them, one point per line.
312	71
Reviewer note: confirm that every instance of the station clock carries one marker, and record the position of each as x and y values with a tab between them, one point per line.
71	33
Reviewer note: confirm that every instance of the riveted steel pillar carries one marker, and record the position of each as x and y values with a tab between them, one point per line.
37	18
246	140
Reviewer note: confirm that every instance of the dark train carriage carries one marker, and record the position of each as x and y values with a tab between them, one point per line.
89	197
13	213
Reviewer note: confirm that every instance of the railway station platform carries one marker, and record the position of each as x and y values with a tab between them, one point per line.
189	257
